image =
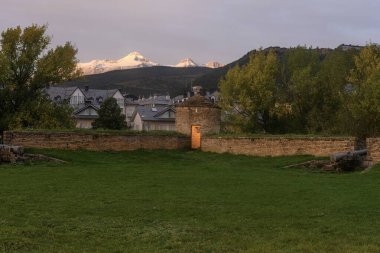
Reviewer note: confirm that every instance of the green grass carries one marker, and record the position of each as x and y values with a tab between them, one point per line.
184	201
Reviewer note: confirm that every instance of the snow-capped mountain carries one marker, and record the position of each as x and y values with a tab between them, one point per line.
186	63
132	60
214	65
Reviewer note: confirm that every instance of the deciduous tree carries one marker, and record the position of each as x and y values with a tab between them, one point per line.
248	93
27	66
363	102
302	65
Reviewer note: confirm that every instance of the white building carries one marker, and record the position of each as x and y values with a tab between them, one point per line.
86	102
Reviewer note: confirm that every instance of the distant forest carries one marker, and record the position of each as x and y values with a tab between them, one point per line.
304	90
211	80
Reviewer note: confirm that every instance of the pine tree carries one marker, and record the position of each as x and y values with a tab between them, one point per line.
110	116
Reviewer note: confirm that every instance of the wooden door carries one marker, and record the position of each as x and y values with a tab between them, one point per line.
195	137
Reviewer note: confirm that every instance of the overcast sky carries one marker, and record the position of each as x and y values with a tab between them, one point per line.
165	31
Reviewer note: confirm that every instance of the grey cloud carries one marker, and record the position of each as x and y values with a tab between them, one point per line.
168	30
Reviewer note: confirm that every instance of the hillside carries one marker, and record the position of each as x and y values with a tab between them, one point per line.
210	80
144	81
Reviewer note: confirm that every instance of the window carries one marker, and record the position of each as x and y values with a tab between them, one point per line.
120	102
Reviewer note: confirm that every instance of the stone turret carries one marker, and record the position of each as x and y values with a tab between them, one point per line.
198	111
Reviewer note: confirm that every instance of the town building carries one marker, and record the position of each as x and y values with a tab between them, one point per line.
154	118
86	102
145	114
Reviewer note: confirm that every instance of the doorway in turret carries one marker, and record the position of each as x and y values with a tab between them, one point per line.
195	136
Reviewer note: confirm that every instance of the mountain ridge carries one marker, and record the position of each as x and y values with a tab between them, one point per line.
134	60
143	81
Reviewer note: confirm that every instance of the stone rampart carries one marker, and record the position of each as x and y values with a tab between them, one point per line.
255	146
373	147
93	141
278	146
208	118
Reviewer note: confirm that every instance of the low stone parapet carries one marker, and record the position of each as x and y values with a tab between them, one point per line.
94	141
373	146
278	146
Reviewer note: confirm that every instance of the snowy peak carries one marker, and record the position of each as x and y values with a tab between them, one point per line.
135	59
135	55
132	60
186	63
214	65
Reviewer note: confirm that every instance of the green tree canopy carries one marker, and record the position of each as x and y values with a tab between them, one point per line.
305	90
301	66
27	66
328	113
43	114
248	93
110	115
363	102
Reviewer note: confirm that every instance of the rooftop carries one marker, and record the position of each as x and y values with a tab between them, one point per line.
198	101
153	114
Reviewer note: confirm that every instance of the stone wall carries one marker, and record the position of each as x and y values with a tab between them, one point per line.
207	117
93	141
373	147
278	146
258	146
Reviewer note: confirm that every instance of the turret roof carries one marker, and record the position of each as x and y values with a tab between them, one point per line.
198	101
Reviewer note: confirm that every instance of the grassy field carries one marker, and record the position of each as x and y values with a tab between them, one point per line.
184	201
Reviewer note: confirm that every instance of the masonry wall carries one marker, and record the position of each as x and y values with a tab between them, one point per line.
207	117
373	147
278	146
260	146
89	141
